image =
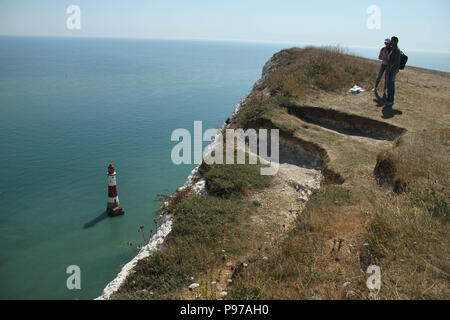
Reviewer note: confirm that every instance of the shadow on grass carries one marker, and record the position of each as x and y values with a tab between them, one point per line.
389	112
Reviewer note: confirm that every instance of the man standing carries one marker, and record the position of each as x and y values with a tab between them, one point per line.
384	57
392	70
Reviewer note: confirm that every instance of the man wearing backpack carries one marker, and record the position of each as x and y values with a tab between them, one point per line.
392	70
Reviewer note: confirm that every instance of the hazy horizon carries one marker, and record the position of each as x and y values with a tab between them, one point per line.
216	40
421	26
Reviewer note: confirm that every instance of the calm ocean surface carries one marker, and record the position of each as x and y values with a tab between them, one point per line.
69	107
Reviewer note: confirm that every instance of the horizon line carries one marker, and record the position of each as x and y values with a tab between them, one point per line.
211	40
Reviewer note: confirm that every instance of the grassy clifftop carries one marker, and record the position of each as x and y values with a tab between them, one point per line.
384	198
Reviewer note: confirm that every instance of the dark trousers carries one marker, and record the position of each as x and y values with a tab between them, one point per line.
391	86
380	74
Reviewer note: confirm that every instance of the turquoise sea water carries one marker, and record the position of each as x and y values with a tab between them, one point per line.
69	107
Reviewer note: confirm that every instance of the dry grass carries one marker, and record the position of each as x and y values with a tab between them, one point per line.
344	228
411	246
422	159
406	234
310	262
302	71
410	233
341	232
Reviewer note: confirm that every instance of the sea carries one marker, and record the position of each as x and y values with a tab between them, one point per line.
71	106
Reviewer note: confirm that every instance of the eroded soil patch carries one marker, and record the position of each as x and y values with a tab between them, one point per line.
345	123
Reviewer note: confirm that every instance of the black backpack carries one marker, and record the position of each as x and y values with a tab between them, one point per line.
403	60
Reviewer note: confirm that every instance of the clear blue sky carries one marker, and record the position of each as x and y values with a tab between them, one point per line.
420	25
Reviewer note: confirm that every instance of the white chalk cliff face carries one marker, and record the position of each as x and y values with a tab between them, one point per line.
164	226
156	242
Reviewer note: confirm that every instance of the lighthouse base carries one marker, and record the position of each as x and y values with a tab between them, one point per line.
115	211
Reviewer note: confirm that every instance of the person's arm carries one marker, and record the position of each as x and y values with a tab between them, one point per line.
380	56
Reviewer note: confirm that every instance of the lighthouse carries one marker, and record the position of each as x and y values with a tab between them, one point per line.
113	208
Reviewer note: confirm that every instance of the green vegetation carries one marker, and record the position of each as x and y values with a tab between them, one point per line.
432	200
257	111
203	226
200	225
232	180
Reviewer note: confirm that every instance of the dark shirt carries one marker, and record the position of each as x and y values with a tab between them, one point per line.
394	59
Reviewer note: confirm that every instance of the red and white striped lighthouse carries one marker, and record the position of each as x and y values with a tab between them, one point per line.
113	208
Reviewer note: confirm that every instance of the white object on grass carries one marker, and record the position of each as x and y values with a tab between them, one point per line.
356	89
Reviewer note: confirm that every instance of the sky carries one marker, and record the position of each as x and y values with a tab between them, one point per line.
420	25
